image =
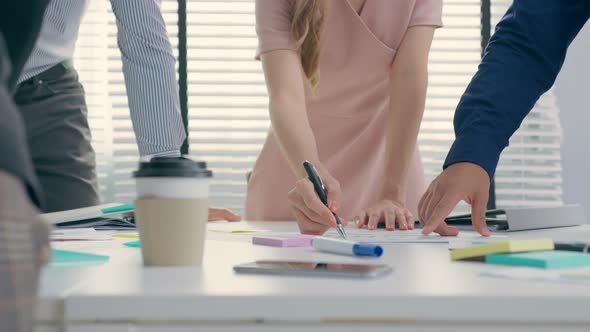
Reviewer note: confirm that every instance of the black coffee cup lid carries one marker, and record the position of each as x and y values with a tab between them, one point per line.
173	167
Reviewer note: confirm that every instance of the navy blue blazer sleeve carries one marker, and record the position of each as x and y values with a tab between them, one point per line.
521	62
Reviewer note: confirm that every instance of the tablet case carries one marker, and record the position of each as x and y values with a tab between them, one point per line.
520	219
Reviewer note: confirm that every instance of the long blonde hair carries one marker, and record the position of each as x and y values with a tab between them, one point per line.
307	24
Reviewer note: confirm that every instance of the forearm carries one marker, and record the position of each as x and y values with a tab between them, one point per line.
154	107
150	76
291	128
408	93
288	115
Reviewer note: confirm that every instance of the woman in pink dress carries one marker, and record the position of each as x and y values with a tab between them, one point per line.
347	86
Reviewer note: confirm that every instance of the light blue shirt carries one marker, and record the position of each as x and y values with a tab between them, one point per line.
148	66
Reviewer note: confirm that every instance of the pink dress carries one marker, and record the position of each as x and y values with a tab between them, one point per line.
348	116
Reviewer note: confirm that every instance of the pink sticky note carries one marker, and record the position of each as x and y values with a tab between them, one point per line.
284	241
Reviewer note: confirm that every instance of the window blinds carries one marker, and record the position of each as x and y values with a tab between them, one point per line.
91	61
228	110
228	105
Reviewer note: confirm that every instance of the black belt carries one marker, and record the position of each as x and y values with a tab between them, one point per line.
50	74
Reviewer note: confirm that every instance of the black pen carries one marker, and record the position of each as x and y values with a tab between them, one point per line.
573	246
318	185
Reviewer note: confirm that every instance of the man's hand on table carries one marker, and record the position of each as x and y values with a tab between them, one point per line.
462	181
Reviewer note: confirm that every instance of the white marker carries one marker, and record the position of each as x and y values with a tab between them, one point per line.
343	247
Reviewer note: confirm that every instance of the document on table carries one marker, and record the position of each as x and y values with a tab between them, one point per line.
238	232
76	214
233	228
576	275
397	236
232	232
80	234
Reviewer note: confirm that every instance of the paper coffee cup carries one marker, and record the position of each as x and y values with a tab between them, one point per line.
171	211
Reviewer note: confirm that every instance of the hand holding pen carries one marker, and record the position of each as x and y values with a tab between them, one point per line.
316	215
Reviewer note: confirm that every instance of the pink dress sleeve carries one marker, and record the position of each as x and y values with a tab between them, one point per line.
273	26
427	12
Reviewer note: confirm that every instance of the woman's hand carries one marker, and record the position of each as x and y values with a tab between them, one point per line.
389	212
313	217
223	214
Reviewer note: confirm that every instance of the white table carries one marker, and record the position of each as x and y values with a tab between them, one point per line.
426	292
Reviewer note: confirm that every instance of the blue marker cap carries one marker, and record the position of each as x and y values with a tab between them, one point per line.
364	249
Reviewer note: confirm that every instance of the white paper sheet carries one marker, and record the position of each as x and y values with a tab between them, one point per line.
80	234
233	232
460	243
397	236
76	214
577	275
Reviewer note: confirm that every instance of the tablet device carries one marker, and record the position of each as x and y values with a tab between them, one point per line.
314	269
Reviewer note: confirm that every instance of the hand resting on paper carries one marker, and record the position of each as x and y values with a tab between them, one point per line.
388	212
216	214
462	181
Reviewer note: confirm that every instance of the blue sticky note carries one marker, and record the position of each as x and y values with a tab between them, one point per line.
543	259
133	244
118	208
74	258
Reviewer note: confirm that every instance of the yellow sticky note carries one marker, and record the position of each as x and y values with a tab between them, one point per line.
578	276
127	236
234	231
502	247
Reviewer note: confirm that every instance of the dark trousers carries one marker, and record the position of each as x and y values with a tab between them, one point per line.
56	119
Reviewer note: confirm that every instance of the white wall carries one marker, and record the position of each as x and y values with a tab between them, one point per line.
573	97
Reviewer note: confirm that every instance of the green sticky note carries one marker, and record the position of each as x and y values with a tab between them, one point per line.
542	259
118	208
74	258
133	244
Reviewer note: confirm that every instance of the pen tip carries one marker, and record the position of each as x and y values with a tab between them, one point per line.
342	232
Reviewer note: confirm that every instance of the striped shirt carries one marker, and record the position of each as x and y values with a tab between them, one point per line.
148	66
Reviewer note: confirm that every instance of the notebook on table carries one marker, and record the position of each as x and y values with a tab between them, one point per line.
111	216
519	219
